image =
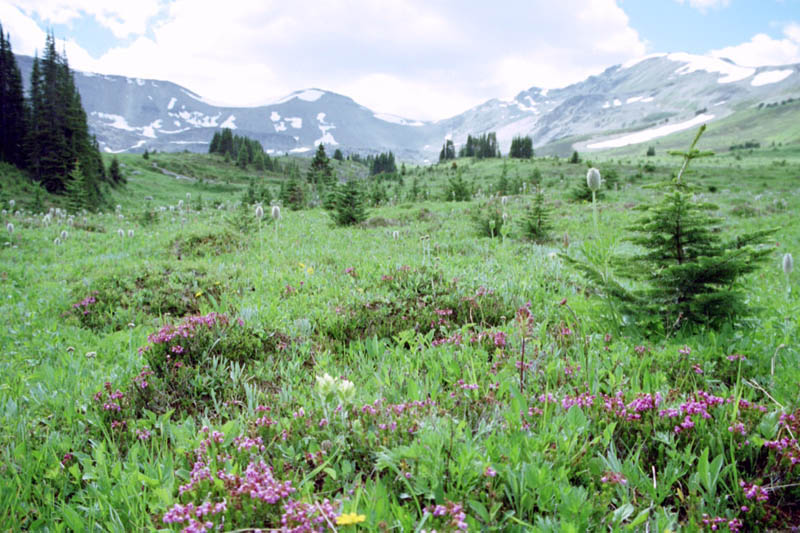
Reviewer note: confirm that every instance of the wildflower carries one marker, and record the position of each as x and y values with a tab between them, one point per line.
788	264
347	519
489	472
593	179
395	235
130	233
64	235
57	241
259	212
121	233
685	350
276	212
10	228
12	203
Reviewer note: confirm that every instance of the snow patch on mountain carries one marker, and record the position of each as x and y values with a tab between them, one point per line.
642	99
394	119
280	126
117	121
326	138
274	117
296	122
197	119
171	103
307	95
139	144
300	150
229	123
650	134
150	130
771	76
730	72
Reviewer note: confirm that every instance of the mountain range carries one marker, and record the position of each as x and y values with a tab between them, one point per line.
627	104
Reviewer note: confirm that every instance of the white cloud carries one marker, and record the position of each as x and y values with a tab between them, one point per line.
764	50
412	58
122	17
704	5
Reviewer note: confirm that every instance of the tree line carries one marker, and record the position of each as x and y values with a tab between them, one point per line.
46	133
485	146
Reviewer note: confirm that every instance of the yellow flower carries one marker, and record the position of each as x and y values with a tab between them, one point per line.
301	265
198	294
349	518
310	270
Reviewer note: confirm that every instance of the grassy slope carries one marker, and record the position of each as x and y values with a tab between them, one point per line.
545	475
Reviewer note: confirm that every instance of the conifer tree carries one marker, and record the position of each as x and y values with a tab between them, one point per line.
114	172
12	106
350	208
536	224
80	193
320	169
337	155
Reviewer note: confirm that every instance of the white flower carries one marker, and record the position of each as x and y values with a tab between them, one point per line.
276	212
10	228
325	384
64	235
259	212
121	233
130	233
788	264
12	203
395	235
593	179
346	389
56	241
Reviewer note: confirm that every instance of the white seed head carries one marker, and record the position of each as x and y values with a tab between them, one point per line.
10	228
395	235
593	179
259	211
504	200
12	203
180	204
56	241
188	196
788	264
505	217
130	233
64	235
121	233
118	207
121	216
276	212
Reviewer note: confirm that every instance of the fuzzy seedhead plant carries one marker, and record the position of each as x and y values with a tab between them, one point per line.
488	219
788	266
593	182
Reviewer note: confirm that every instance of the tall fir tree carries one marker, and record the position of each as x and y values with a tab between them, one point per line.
12	105
58	134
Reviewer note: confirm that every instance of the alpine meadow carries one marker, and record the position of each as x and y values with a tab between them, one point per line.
573	310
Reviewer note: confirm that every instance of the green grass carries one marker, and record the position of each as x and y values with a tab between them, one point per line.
360	305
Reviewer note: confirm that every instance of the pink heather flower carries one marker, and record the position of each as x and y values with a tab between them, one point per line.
736	357
697	369
613	478
685	350
489	472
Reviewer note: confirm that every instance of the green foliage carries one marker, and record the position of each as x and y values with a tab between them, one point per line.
448	151
488	218
575	159
383	163
651	151
481	147
12	100
521	147
114	172
537	225
337	155
293	193
350	209
458	190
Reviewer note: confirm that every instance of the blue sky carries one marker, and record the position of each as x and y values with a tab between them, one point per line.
415	58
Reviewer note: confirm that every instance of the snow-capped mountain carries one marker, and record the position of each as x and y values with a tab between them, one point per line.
631	103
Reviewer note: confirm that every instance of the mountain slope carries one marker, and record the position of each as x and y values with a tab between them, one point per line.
626	104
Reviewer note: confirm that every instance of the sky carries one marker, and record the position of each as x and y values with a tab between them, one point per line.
420	59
